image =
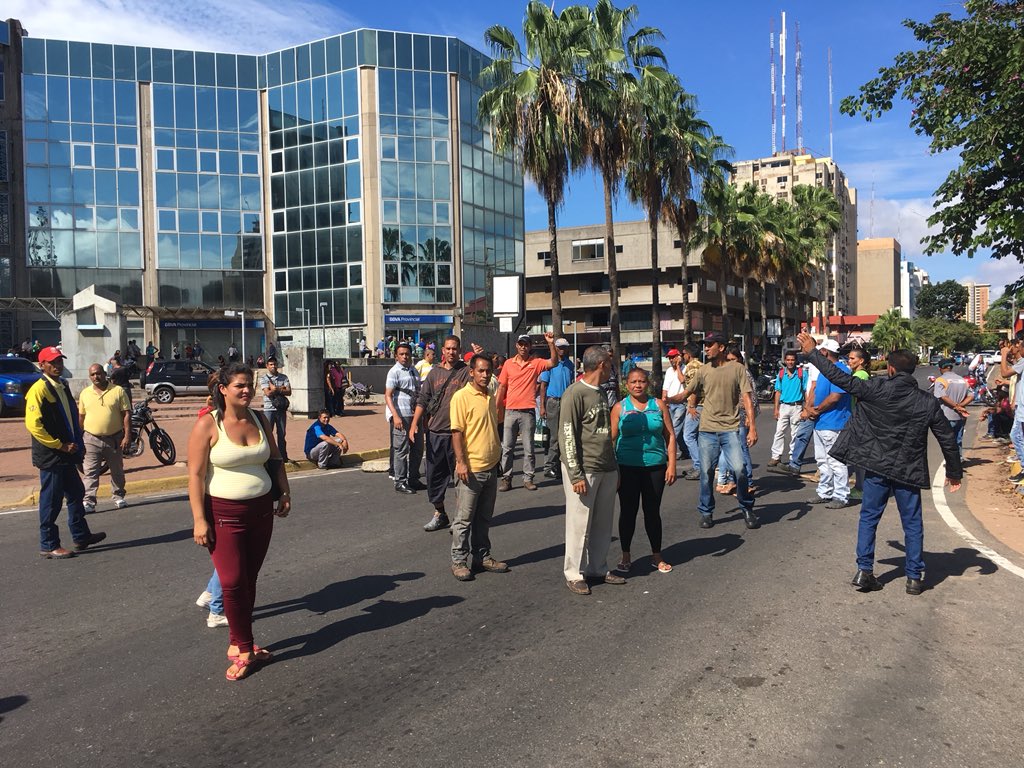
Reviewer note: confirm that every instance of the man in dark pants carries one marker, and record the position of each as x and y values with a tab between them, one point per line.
276	389
432	417
51	418
887	437
553	383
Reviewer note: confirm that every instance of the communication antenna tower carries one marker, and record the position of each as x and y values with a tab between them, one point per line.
830	150
782	51
771	61
799	93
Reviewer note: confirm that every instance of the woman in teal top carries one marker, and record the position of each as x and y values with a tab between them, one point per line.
645	448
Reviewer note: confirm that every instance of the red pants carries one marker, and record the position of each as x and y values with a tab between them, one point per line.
241	531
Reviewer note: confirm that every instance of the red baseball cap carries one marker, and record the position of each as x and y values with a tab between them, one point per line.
673	352
467	357
49	354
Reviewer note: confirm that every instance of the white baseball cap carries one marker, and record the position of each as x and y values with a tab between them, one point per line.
830	345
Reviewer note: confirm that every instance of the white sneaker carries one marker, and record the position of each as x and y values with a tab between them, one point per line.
215	620
203	601
119	503
89	508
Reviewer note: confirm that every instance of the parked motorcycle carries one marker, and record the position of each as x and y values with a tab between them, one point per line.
764	388
161	443
980	390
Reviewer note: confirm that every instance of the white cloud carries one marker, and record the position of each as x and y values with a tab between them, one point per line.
258	26
996	273
906	220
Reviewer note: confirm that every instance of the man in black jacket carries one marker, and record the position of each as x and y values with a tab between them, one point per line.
887	438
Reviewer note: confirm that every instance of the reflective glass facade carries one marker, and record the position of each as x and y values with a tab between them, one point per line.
197	180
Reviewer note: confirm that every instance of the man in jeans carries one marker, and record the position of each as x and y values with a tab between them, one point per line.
104	414
474	424
789	402
553	383
954	395
276	391
726	388
401	391
830	412
671	387
517	401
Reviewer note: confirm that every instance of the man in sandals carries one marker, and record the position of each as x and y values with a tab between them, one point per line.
591	474
474	424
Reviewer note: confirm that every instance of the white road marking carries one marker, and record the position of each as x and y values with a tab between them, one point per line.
181	491
939	499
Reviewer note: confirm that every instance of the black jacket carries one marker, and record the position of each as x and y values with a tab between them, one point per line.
888	432
43	408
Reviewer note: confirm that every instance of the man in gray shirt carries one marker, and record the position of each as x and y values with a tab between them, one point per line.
401	391
591	475
276	391
954	395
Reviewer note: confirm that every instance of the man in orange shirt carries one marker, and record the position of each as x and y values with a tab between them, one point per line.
517	401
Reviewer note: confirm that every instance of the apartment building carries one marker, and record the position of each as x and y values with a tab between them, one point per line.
912	280
878	275
836	290
977	303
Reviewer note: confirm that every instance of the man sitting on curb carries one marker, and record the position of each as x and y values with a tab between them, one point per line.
324	444
887	436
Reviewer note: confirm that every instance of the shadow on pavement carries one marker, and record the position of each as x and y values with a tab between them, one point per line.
685	551
165	538
538	555
340	594
939	566
524	514
380	615
10	703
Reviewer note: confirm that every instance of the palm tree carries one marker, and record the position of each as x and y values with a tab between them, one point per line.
763	251
719	234
892	331
818	210
533	105
659	175
609	93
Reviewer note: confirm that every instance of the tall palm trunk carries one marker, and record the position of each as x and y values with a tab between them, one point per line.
556	289
764	316
686	300
655	305
747	322
613	273
722	281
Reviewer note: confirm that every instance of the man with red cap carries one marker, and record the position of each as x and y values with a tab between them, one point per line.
51	418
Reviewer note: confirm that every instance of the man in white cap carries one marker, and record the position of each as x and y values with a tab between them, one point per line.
830	412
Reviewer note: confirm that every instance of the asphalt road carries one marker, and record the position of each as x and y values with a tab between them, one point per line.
754	651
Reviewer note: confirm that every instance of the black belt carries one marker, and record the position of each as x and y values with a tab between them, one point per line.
795	402
552	397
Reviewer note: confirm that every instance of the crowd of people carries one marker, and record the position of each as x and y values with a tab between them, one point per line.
467	412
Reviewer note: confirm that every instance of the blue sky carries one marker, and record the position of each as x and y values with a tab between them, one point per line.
718	49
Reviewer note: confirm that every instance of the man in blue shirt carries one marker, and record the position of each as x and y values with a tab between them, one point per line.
789	402
830	412
324	444
552	385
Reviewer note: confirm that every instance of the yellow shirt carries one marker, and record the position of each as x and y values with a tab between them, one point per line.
104	411
475	415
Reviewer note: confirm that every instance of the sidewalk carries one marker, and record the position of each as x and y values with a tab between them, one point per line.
989	496
363	425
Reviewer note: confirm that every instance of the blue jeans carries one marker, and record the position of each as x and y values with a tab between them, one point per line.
217	599
712	446
278	420
725	471
877	490
802	438
1017	438
691	428
678	414
957	425
55	485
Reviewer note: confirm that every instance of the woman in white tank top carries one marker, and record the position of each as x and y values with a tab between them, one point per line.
232	506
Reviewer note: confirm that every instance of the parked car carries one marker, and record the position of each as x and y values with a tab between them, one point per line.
991	356
16	376
168	379
934	359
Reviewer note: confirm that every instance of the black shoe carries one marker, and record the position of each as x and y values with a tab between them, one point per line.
819	500
784	469
914	586
403	488
88	541
1017	478
437	522
692	474
865	581
751	520
550	474
418	486
706	521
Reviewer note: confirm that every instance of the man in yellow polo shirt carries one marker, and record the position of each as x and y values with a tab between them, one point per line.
104	414
517	404
474	421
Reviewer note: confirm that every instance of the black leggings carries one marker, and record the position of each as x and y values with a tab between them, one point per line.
636	483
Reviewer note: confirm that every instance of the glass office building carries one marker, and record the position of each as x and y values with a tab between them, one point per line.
332	190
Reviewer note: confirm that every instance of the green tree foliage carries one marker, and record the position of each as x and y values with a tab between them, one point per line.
944	336
892	331
946	300
966	86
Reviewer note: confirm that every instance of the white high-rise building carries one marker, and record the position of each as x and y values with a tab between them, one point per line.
912	280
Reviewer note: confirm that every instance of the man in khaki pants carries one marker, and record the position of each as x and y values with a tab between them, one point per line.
591	475
104	413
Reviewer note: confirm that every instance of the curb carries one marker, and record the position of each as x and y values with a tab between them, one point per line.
181	481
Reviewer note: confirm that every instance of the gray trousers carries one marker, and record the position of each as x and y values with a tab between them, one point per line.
407	454
588	525
471	525
103	450
325	455
516	422
554	462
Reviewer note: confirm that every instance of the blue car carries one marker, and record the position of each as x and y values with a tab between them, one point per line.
16	376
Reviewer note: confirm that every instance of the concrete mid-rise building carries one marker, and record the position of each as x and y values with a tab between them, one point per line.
878	275
977	303
836	290
912	280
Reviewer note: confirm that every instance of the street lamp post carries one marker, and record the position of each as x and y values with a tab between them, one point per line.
239	313
323	324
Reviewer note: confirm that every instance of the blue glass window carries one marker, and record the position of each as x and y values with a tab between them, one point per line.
124	62
56	57
102	61
33	56
80	59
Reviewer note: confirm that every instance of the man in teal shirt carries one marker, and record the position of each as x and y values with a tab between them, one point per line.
553	383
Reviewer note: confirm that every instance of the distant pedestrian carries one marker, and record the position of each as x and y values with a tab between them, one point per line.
955	395
276	390
474	423
401	391
51	419
553	383
590	474
423	366
887	436
335	383
232	353
104	413
324	444
176	351
789	403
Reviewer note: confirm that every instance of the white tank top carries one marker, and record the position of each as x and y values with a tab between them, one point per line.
235	471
